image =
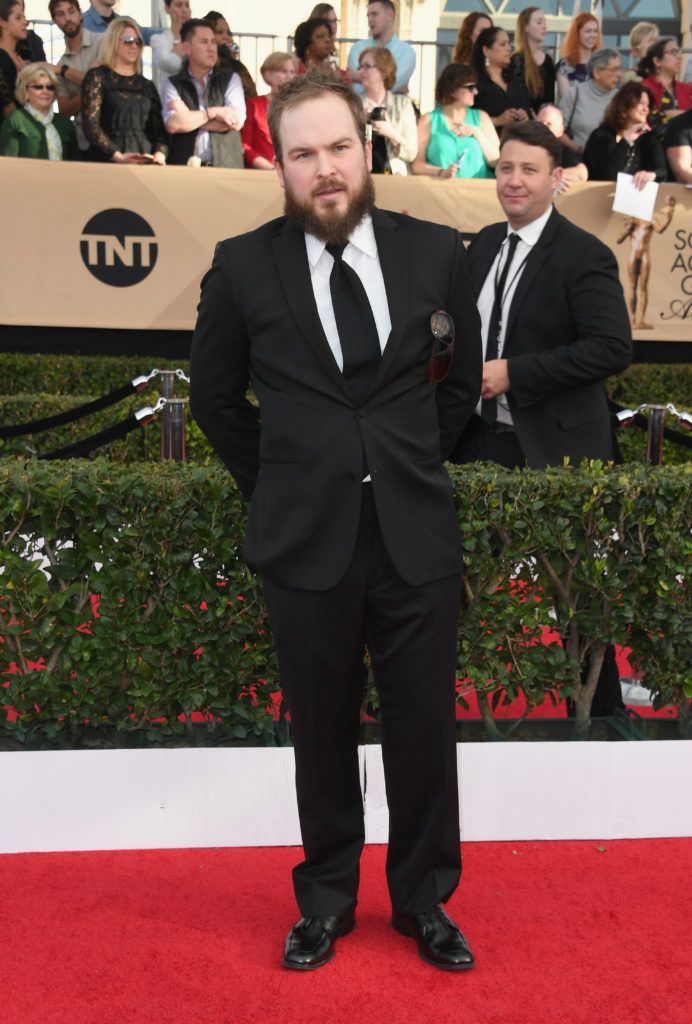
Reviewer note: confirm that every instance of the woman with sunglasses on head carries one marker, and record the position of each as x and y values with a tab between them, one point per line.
121	109
13	32
32	129
455	140
659	70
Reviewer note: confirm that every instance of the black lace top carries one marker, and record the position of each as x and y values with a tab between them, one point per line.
8	76
121	112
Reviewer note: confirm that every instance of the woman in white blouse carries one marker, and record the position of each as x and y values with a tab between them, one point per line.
166	48
391	115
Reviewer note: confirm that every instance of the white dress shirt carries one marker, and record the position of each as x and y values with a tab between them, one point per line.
233	97
528	236
361	256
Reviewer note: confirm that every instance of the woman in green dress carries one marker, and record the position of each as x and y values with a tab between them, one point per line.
455	140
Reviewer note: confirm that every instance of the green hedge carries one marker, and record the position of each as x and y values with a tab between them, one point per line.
25	373
28	383
181	626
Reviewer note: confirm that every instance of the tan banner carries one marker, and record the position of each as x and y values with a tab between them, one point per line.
91	245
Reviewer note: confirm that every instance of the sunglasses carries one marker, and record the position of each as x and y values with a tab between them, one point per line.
440	362
132	41
366	67
469	85
40	87
675	50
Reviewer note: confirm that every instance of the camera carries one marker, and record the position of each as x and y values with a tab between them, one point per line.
377	114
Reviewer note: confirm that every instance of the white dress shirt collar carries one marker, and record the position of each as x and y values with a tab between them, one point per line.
530	233
362	237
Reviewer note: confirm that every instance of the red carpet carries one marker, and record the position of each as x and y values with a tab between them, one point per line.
563	934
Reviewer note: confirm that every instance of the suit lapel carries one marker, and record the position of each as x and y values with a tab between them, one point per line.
483	252
294	271
536	258
393	252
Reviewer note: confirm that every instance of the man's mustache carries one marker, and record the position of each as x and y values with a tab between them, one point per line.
329	185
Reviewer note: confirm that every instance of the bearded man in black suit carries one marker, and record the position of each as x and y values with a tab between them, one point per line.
554	326
327	312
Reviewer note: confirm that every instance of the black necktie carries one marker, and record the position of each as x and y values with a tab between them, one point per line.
489	405
360	343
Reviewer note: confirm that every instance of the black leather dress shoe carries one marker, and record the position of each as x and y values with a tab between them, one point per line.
310	942
439	940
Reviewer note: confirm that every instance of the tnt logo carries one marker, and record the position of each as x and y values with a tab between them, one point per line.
119	248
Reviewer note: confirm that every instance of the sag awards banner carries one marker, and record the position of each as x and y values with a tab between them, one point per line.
100	246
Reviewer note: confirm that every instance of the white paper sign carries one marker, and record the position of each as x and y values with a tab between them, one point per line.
633	201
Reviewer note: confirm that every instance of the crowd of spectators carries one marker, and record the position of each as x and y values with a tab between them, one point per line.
201	106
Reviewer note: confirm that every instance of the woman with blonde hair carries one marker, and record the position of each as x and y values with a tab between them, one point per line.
642	35
32	129
121	109
390	115
581	42
469	31
529	62
327	12
257	144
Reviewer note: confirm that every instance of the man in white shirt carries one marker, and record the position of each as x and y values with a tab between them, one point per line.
203	106
330	311
381	15
554	326
82	47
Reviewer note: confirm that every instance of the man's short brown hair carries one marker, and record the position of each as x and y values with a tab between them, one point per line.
56	3
533	133
311	86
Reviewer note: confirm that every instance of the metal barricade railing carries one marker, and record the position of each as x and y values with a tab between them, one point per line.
431	56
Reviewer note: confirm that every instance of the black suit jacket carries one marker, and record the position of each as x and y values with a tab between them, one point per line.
299	456
567	330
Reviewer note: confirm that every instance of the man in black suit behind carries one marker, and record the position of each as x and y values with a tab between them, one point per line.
352	521
554	325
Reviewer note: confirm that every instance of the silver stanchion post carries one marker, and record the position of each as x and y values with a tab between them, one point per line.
176	435
166	388
654	441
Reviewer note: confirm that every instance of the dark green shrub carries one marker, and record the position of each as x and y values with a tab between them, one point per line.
598	554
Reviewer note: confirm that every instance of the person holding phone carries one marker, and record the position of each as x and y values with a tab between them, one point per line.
455	140
121	110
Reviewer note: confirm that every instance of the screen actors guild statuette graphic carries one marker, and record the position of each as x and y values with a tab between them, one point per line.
640	233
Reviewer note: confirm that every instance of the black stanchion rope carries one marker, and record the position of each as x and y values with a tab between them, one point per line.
88	444
70	415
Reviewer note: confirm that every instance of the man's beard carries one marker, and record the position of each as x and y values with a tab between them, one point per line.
70	31
329	226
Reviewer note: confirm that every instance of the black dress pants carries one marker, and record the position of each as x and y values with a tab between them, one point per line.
410	633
